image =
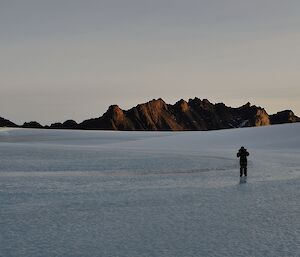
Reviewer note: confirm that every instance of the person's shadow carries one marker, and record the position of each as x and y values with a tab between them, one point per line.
243	180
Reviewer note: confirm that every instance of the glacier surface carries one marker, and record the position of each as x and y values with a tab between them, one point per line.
143	194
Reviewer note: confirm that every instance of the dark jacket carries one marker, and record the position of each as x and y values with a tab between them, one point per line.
242	154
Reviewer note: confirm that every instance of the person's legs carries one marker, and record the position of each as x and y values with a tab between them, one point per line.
243	169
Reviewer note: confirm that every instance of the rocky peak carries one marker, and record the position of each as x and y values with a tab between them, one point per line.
70	124
157	104
247	105
182	106
115	113
286	116
115	110
206	102
261	118
32	124
7	123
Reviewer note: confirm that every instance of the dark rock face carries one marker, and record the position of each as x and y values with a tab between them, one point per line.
286	116
56	125
32	124
69	124
195	114
6	123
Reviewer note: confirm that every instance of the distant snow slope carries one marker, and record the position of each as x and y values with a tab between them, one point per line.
104	193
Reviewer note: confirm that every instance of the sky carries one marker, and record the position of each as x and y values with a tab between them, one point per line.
71	59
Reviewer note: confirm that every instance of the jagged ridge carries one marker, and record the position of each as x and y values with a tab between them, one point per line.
195	114
157	115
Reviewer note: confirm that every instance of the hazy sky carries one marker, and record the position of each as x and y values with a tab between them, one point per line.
62	59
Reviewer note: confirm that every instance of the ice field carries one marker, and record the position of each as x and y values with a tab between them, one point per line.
144	194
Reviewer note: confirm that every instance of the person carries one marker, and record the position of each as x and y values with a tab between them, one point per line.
242	154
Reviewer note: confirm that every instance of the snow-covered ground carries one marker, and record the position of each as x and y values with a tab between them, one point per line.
143	194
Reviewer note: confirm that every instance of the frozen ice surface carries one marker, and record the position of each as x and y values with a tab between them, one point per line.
143	194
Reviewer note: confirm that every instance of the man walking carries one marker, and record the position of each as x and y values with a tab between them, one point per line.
242	154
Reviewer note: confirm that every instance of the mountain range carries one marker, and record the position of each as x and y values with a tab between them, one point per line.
157	115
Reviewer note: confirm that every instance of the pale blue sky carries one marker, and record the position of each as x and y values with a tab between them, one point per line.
63	59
